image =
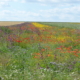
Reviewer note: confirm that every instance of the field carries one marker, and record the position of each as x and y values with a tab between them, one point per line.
40	51
8	23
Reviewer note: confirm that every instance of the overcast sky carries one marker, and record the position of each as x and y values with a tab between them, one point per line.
40	10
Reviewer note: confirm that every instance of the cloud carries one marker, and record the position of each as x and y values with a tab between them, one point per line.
19	15
54	1
64	14
56	14
60	10
5	3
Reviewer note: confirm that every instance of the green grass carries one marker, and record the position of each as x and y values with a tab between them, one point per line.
62	24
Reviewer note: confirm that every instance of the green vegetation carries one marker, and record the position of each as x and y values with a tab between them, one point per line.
5	30
63	24
41	51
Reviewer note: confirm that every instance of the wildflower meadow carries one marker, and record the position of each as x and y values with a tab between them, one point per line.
40	51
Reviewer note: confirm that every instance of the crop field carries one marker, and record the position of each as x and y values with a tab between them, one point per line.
8	23
40	51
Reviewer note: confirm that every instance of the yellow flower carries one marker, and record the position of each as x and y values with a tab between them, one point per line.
40	26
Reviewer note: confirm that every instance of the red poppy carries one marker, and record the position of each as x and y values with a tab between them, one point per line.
42	49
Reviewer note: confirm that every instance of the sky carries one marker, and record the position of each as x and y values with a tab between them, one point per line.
40	10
